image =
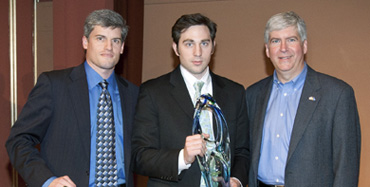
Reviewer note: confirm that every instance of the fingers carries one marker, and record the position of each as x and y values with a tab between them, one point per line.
234	182
194	145
205	136
64	181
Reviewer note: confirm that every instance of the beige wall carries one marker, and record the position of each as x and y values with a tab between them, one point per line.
338	43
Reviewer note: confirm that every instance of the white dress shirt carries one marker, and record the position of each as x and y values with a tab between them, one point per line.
207	88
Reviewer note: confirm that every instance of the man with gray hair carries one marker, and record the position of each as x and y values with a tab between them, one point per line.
81	117
304	125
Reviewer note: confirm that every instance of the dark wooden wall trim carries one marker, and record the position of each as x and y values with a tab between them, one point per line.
130	65
131	62
5	171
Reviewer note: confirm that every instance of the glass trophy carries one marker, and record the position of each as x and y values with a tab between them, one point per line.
215	164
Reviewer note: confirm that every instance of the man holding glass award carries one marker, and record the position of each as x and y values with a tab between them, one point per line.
163	146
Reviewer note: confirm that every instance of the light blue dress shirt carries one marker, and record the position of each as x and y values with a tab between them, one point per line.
277	129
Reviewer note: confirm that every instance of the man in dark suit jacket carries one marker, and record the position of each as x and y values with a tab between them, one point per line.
61	113
163	146
304	125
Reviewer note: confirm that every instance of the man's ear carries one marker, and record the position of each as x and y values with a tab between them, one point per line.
213	47
267	51
122	48
84	42
305	47
175	49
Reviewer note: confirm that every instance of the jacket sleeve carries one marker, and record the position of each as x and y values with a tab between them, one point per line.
149	158
240	166
346	140
28	131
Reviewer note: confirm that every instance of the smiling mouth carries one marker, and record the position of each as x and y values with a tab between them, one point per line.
285	57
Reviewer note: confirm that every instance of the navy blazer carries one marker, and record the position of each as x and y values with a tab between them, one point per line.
163	120
57	116
325	143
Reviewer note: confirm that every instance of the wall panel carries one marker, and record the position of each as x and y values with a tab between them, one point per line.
5	167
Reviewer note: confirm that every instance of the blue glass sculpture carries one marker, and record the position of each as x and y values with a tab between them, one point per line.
215	164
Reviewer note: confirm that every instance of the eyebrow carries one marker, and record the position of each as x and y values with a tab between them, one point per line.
187	40
99	35
191	40
117	39
296	37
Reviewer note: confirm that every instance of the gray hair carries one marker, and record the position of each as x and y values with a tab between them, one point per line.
105	18
283	20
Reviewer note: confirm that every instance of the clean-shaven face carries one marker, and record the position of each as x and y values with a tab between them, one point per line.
103	48
195	49
286	52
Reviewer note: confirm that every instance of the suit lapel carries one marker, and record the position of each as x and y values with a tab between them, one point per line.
309	99
260	108
180	93
79	93
125	104
221	96
127	115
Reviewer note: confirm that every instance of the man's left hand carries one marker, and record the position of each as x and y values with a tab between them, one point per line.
234	182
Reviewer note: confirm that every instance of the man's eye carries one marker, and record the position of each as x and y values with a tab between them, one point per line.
204	43
275	41
292	40
116	41
188	44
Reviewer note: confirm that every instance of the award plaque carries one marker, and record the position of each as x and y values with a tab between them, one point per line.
215	164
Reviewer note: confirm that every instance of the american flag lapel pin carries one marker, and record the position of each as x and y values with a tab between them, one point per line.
311	98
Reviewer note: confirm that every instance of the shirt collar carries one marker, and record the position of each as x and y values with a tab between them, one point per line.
190	79
297	82
93	78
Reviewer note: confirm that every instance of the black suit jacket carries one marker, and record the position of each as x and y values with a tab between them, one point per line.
163	120
57	116
325	143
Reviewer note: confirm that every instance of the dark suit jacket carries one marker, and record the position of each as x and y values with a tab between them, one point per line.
325	143
163	120
57	116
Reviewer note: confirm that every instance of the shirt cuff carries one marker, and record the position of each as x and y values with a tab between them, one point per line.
49	181
181	162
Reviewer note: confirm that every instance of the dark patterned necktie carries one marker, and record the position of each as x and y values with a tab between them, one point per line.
106	164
